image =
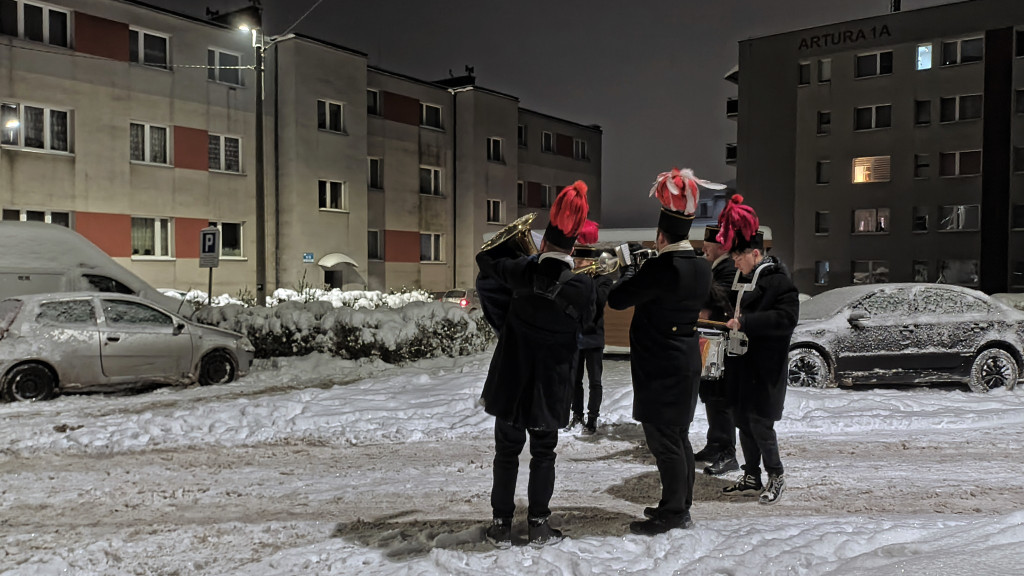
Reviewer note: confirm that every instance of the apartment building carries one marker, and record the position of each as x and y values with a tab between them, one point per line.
136	126
891	148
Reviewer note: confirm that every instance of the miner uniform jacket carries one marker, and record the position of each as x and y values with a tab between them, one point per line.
529	382
667	294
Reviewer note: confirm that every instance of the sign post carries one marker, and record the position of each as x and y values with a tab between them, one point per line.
209	254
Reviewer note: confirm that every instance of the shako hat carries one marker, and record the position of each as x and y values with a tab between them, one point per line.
568	213
738	225
678	193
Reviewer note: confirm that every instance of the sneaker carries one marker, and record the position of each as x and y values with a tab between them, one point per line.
660	524
707	454
590	427
577	419
542	534
724	463
748	483
651	512
773	492
499	533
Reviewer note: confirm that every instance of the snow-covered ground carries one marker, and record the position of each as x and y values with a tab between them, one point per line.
317	465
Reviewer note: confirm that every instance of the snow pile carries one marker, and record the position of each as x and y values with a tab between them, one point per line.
358	299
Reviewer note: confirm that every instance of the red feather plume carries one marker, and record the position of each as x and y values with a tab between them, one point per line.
569	211
588	233
736	219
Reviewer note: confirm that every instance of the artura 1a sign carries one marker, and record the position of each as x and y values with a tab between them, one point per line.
841	37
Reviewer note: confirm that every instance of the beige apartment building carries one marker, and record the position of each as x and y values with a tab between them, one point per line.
137	127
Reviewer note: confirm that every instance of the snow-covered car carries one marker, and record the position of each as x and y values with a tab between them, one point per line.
908	333
466	299
89	341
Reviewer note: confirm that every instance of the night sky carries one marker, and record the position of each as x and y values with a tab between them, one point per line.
649	72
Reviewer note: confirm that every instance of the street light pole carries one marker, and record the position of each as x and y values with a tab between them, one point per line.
261	199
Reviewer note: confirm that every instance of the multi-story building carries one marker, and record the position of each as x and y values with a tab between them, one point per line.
136	126
889	148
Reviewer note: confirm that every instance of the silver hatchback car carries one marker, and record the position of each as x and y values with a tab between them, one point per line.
91	341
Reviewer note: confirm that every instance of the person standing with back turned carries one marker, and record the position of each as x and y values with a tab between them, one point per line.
667	294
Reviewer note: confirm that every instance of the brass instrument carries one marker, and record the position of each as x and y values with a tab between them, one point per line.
513	240
604	263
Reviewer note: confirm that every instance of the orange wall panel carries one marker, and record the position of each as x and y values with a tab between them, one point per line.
401	246
191	149
101	37
111	232
186	236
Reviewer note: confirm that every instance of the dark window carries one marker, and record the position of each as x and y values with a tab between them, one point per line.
920	270
821	272
822	173
824	70
9	17
1020	102
1018	159
1017	216
970	163
921	165
33	22
58	28
373	247
547	142
824	123
867	65
376	174
521	135
521	193
950	53
972	50
883	116
805	73
862	118
1019	51
947	109
885	63
970	107
373	102
922	112
960	217
105	284
1017	277
821	223
920	219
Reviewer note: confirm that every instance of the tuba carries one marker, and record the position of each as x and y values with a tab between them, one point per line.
513	240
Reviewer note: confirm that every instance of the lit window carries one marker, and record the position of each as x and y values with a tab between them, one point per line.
924	56
430	115
494	210
151	237
147	48
430	248
34	22
871	221
871	169
430	181
495	152
34	127
330	116
148	143
223	66
333	195
225	153
960	217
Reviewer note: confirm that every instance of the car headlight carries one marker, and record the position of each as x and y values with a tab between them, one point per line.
246	344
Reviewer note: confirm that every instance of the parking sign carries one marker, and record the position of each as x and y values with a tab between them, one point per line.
209	247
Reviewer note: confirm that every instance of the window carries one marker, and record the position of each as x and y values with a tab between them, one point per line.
920	219
730	153
225	153
821	223
147	48
521	193
222	66
372	102
148	143
877	64
50	217
821	273
823	174
34	22
959	217
962	272
1017	217
546	195
956	108
922	112
824	70
230	239
871	117
494	150
920	270
871	169
430	181
1019	51
374	249
123	312
376	174
1017	276
1018	159
1019	101
151	237
34	127
430	115
333	195
924	56
67	312
547	142
521	135
804	72
921	165
824	123
962	51
106	284
330	116
966	163
494	212
871	221
430	248
579	149
870	271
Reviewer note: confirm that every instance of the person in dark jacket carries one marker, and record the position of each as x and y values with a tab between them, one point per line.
529	381
768	314
720	450
667	294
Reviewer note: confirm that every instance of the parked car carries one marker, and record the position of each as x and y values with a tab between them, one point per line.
467	299
91	341
906	333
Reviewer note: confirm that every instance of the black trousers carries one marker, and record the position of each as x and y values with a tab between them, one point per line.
508	444
721	427
671	448
591	358
757	439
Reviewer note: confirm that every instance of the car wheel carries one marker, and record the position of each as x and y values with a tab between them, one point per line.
993	368
217	367
808	368
28	383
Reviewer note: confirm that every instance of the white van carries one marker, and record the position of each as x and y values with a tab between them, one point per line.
37	258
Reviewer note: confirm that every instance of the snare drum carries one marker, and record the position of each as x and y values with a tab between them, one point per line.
713	345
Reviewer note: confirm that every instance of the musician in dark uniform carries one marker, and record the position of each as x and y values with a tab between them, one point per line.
720	450
667	294
529	383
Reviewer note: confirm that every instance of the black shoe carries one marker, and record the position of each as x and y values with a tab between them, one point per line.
590	427
748	483
660	525
577	419
499	533
708	454
542	534
773	492
724	463
651	512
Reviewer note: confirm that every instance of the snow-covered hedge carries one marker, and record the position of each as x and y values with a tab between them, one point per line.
371	299
411	332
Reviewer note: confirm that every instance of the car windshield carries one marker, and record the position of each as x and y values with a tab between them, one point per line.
826	304
455	294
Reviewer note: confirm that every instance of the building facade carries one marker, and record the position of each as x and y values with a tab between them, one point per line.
137	127
889	149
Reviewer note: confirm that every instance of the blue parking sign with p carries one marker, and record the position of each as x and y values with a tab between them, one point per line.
209	247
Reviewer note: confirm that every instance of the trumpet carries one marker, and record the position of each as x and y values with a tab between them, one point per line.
604	263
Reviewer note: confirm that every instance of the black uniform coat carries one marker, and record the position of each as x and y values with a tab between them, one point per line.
720	303
769	313
667	294
530	380
593	333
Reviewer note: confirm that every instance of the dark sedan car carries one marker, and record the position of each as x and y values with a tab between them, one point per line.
906	333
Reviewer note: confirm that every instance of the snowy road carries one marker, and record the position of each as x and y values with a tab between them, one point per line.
324	466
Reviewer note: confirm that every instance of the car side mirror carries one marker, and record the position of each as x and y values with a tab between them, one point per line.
857	318
178	328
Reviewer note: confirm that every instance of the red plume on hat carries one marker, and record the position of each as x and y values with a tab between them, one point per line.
588	233
737	221
568	213
677	190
